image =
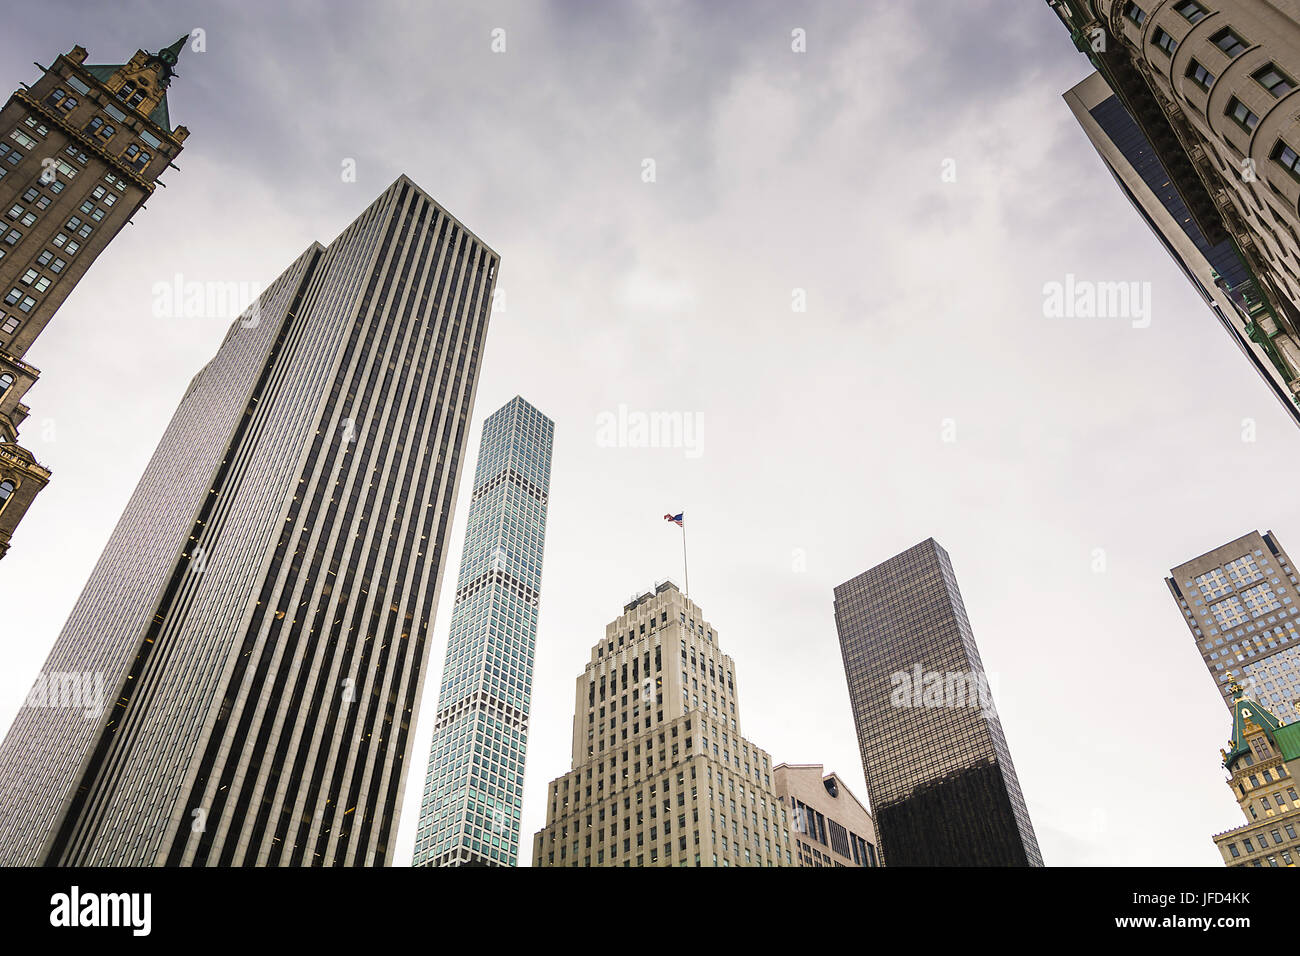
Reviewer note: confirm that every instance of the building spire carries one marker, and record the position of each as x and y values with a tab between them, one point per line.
168	56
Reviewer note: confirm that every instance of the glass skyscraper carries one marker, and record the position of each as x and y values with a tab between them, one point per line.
939	774
259	619
473	792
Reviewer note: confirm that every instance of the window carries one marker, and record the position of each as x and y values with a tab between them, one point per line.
9	326
61	99
1274	80
6	491
22	139
1164	41
1229	42
1286	157
1190	10
6	380
1243	117
1134	12
1200	75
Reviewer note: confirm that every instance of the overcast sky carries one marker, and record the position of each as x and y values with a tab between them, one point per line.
822	448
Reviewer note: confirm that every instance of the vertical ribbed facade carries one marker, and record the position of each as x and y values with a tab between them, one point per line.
260	615
473	791
940	780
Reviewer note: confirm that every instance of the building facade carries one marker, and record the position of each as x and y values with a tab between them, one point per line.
1212	86
1215	270
661	775
940	779
82	150
259	619
1263	759
473	791
830	825
1238	602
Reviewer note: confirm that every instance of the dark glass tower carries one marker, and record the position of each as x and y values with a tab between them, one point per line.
473	792
259	619
939	775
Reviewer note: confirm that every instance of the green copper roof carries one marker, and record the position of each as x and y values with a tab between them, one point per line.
1285	738
167	57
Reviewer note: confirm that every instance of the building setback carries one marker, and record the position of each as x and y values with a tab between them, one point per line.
1208	84
80	152
1238	602
1262	759
939	773
661	775
831	827
473	791
260	615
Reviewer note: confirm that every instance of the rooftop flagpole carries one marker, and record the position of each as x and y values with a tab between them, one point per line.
680	520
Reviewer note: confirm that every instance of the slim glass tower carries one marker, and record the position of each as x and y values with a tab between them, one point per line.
259	619
939	775
473	792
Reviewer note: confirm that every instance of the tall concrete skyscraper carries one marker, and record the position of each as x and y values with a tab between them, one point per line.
661	775
473	792
1238	602
1209	85
940	779
260	617
1216	270
82	150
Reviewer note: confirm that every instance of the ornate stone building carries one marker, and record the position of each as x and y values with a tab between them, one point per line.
1263	759
1212	86
80	151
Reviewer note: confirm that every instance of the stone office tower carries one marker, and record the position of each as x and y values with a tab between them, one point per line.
661	774
939	774
473	792
1239	604
260	616
80	152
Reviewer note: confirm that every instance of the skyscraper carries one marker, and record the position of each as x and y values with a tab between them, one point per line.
1207	85
1216	270
260	616
939	774
473	791
82	150
1238	602
661	775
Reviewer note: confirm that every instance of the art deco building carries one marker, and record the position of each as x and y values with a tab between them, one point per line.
1263	759
661	775
1211	85
939	773
1238	602
831	827
80	152
261	613
1216	270
473	791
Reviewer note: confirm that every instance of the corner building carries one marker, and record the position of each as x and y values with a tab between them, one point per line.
661	774
261	613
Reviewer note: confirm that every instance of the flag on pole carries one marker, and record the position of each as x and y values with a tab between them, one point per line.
678	520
